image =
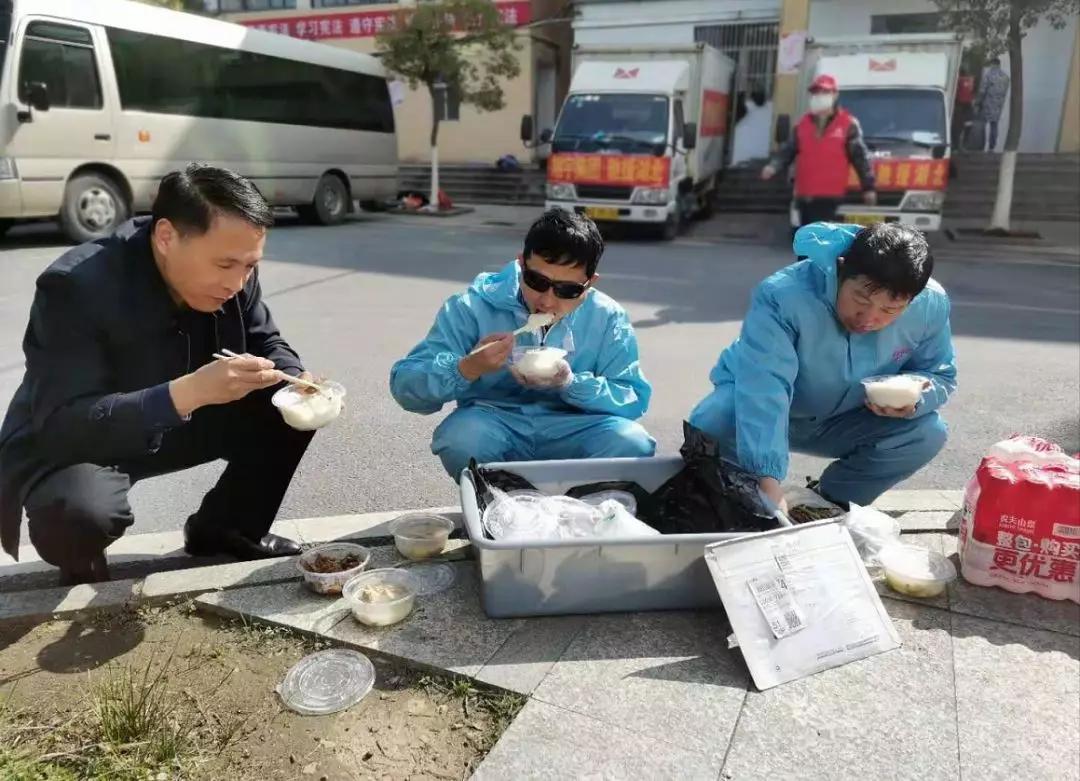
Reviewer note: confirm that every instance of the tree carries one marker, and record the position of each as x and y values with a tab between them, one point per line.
1000	26
459	48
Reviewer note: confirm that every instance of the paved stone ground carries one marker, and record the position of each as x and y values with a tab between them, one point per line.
986	685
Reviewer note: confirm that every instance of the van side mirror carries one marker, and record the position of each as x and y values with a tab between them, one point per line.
527	129
546	135
938	152
689	136
37	95
783	128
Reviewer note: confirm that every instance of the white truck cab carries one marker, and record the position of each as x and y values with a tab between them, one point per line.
901	89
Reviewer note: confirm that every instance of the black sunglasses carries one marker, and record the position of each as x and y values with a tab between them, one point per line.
541	284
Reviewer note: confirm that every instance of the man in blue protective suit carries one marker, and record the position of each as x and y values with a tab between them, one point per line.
861	304
587	410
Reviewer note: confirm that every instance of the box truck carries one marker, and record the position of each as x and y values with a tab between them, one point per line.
901	88
641	136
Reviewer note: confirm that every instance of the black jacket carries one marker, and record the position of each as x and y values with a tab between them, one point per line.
103	342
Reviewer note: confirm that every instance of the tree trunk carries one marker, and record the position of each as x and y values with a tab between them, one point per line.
433	202
1000	221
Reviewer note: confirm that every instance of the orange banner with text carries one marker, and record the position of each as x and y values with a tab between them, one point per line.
629	170
906	174
714	113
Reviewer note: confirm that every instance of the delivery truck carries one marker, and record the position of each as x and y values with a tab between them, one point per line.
901	88
641	136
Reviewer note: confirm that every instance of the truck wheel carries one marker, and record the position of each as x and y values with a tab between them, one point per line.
330	204
93	207
672	225
707	207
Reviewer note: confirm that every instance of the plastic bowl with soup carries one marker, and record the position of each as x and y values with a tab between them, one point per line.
306	409
420	536
380	597
916	572
538	363
897	391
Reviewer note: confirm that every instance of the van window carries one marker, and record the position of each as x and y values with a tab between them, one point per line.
62	58
169	76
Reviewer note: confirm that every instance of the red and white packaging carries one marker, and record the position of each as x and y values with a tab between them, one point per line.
1020	526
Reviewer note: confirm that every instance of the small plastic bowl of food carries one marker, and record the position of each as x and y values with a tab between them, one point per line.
896	391
381	597
327	568
306	409
420	536
916	572
538	363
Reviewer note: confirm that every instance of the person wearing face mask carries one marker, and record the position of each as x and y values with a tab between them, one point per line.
587	409
826	142
862	304
121	384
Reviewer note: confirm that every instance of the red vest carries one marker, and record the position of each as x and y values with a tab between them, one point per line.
821	170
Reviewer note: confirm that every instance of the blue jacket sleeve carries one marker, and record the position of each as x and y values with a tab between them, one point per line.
618	386
428	377
935	359
766	365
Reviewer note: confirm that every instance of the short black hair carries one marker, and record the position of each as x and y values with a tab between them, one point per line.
190	199
565	239
893	257
995	61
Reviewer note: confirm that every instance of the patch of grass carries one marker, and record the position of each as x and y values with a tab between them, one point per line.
501	707
15	766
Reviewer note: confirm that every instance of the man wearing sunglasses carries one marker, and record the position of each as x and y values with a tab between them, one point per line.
587	409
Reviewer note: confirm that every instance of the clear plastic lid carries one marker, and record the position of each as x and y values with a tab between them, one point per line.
327	682
431	578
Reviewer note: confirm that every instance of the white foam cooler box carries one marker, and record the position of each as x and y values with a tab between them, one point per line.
560	577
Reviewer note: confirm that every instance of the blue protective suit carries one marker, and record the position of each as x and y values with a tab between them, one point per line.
792	381
497	418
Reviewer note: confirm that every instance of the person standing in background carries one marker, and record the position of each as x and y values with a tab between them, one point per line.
827	142
990	99
964	107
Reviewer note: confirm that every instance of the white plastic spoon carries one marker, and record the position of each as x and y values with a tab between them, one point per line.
536	321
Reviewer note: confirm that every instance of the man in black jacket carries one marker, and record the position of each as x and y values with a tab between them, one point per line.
121	383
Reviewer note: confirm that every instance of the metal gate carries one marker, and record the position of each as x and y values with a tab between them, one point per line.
752	45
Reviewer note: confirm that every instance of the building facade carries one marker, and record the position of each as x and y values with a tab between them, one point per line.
465	135
752	31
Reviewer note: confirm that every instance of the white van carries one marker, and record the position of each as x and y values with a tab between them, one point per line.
99	100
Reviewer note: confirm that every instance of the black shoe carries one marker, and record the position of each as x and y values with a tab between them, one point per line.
201	541
815	486
95	570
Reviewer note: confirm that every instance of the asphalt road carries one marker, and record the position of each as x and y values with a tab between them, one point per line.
354	298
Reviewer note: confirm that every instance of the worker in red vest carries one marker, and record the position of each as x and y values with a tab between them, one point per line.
827	141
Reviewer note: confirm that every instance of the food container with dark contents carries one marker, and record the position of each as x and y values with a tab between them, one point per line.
327	568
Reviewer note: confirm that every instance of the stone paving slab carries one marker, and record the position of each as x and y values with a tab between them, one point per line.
67	601
913	500
546	743
531	652
1018	701
891	716
283	604
448	630
1028	610
935	521
654	674
181	583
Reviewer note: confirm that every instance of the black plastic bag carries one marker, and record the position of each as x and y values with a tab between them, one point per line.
709	494
485	480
